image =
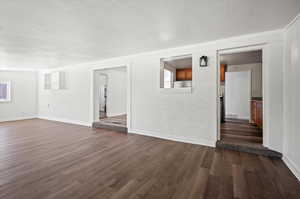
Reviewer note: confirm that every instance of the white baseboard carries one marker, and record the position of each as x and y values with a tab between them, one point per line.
209	143
17	118
292	166
66	121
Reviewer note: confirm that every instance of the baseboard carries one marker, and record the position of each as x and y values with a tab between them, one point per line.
17	118
174	138
66	121
292	166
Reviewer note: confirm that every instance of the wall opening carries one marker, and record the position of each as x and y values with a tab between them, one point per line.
110	98
241	98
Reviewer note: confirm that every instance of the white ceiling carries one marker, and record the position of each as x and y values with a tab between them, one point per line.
242	58
55	33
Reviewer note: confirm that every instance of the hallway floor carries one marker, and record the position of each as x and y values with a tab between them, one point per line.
241	132
116	123
119	120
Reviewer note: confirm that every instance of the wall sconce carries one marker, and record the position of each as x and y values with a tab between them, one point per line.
203	61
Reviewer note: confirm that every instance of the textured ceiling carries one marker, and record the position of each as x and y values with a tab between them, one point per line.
55	33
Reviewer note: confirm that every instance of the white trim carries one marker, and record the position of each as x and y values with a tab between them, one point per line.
128	92
18	69
210	143
176	90
176	57
18	118
292	166
64	120
265	65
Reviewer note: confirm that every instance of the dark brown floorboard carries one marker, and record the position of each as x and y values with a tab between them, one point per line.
41	159
241	132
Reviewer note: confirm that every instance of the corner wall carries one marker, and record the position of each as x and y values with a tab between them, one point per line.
292	97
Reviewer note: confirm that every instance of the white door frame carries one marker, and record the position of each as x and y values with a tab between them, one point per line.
265	65
128	91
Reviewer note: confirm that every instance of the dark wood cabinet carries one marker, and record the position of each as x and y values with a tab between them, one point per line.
257	113
222	72
259	120
184	74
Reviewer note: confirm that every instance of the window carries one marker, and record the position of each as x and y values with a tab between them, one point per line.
168	78
176	72
4	91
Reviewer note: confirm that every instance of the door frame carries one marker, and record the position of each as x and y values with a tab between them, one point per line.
128	92
265	65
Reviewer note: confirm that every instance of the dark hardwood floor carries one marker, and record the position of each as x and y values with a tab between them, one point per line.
41	159
241	132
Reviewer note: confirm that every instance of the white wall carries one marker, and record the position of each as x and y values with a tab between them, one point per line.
292	98
71	104
256	76
23	104
238	94
189	117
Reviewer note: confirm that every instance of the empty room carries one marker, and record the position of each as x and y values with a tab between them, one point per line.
161	99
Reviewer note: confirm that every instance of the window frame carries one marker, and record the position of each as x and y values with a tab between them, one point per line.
8	92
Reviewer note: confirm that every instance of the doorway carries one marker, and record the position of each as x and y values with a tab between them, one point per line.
103	96
241	98
110	98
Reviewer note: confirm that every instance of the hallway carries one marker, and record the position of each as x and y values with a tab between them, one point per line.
241	132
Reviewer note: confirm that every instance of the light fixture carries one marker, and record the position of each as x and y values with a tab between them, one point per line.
203	61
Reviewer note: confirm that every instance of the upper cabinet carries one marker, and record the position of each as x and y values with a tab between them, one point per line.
184	74
222	72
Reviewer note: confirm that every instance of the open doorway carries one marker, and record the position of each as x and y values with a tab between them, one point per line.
241	98
110	98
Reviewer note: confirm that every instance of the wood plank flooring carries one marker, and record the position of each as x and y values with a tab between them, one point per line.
41	159
241	132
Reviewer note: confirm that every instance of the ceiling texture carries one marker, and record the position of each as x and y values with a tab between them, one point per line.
56	33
